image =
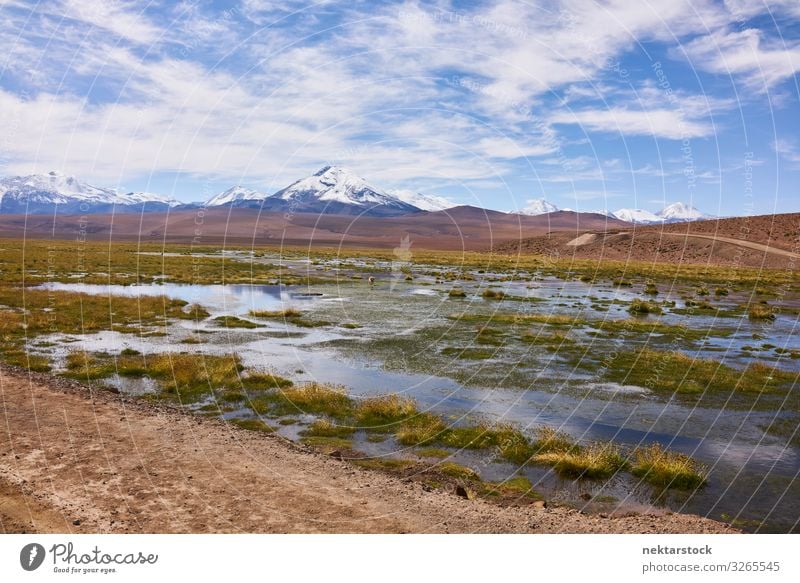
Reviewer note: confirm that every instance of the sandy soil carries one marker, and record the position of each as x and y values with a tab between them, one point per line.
78	460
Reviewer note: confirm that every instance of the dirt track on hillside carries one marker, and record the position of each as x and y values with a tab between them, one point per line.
77	460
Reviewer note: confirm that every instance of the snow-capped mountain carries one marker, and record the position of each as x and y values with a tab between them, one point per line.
332	190
46	193
538	206
678	211
235	194
673	213
425	202
637	216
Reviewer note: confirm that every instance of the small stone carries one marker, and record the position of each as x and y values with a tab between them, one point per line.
76	522
586	496
336	454
540	504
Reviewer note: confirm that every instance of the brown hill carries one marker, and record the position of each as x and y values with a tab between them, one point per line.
463	227
771	241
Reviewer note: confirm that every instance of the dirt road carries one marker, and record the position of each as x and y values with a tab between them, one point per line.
75	460
738	242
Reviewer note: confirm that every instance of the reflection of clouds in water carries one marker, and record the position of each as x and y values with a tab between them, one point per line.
233	299
765	457
616	388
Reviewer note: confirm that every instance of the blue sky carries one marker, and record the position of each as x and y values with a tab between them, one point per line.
591	105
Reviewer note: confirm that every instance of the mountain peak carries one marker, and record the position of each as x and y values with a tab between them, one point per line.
538	206
680	211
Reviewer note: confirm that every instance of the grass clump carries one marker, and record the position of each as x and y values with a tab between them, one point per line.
651	289
315	398
457	293
455	470
327	444
85	366
287	313
761	312
491	294
640	307
324	428
596	461
516	486
377	413
260	381
480	436
234	322
422	429
549	440
667	469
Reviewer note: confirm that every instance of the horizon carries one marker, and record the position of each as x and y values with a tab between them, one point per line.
390	192
491	104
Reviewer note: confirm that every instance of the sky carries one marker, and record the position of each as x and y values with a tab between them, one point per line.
591	105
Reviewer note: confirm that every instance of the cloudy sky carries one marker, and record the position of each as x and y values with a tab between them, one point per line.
592	105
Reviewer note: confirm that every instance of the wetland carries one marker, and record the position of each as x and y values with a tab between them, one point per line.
612	388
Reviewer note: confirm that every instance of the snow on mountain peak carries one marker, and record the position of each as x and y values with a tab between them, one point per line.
679	211
538	206
637	216
425	202
235	194
43	192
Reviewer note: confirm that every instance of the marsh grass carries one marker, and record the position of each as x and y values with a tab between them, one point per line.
381	413
595	461
234	322
480	436
27	360
642	307
324	428
458	471
667	469
314	398
187	377
287	313
761	312
515	486
36	312
422	429
327	444
491	294
457	293
261	381
678	372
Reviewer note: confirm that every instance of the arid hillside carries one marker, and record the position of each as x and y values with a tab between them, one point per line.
770	241
464	227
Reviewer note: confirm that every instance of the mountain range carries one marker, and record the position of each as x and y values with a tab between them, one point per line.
677	212
43	193
331	190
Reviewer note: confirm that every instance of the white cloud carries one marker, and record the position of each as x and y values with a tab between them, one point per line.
757	63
